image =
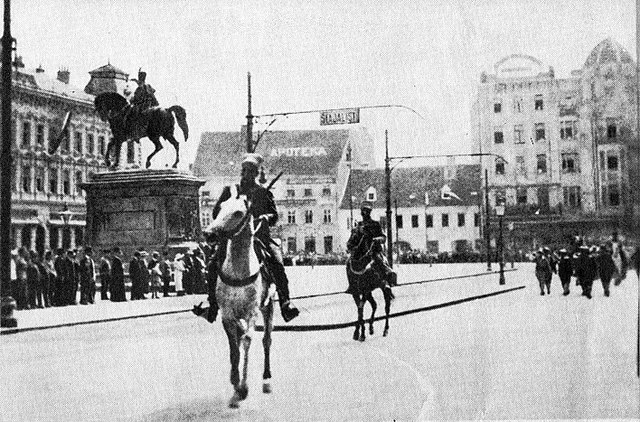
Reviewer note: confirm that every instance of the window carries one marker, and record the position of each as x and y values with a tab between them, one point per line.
90	144
291	245
309	244
539	128
570	163
612	162
460	219
499	167
498	137
518	133
308	192
65	144
517	105
39	179
66	182
612	129
414	221
78	182
542	163
101	146
328	244
40	135
26	179
131	152
539	104
429	220
371	194
521	195
326	191
567	129
445	220
53	180
291	193
476	219
521	167
327	216
497	106
291	217
399	221
26	134
308	216
614	195
77	142
572	197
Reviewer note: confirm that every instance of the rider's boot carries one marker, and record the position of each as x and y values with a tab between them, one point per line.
287	309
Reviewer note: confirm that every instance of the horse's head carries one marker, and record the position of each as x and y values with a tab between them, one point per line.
232	217
108	103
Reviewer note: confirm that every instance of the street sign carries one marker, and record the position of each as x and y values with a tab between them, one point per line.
340	117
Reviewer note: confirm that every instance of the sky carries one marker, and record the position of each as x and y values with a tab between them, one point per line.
426	55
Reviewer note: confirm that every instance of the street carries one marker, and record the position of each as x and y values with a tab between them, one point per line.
516	355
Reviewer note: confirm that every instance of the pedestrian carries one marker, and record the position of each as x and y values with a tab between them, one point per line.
34	293
606	267
155	274
585	270
619	258
165	268
69	278
76	283
543	271
144	273
117	276
87	277
178	272
198	272
135	276
13	287
565	270
187	276
58	288
105	275
43	290
49	266
21	273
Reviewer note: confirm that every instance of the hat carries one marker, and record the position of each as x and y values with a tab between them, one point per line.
253	159
366	205
141	75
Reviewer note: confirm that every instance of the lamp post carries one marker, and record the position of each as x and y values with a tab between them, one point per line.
500	214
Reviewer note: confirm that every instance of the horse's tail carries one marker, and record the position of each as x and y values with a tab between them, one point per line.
181	117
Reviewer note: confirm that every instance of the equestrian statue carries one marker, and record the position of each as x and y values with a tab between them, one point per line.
142	117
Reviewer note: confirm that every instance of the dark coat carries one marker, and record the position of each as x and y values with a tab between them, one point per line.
565	267
117	280
606	266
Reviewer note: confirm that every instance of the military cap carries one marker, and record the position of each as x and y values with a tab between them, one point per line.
253	159
366	205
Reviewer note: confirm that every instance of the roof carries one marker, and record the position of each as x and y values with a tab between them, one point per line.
408	186
608	51
109	70
299	152
44	82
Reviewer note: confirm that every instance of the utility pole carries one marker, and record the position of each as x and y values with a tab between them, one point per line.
8	303
387	175
249	116
487	235
350	163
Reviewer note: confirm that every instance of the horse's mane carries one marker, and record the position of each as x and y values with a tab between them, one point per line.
110	101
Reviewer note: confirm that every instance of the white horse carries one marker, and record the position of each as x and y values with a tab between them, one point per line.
242	292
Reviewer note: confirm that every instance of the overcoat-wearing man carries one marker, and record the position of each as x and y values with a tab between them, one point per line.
117	277
543	271
606	268
105	276
586	271
565	270
165	268
69	278
87	277
135	269
264	212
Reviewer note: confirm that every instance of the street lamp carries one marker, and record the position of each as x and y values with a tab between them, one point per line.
500	214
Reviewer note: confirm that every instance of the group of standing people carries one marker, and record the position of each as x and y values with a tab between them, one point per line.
48	279
608	262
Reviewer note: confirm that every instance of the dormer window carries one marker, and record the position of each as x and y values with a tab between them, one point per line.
371	194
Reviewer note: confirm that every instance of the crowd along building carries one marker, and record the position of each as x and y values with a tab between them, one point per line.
46	175
566	149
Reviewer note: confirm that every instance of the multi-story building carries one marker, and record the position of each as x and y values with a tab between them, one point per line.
46	176
561	146
436	209
314	166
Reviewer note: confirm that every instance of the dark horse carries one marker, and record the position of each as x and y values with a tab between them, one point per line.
129	124
363	280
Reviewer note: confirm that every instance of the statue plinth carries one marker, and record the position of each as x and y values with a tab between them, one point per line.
153	209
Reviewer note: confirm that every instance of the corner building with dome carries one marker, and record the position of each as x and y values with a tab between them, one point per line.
565	150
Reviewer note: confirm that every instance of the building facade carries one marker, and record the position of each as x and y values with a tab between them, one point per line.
562	148
46	176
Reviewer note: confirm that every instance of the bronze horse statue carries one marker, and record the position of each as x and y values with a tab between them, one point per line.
363	280
128	123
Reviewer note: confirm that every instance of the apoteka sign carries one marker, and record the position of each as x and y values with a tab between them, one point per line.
299	152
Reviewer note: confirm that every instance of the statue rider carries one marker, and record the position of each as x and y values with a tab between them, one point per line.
263	210
372	232
143	99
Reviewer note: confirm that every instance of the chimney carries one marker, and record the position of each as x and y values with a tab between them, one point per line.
63	75
39	69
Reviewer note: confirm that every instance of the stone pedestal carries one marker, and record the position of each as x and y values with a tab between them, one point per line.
153	209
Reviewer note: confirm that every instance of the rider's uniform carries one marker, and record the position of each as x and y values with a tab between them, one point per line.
371	229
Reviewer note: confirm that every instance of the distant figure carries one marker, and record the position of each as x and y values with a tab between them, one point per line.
565	270
178	271
87	277
105	275
585	271
606	267
135	269
165	269
155	273
117	277
619	259
543	271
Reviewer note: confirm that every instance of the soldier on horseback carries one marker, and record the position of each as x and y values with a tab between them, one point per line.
143	99
372	232
263	209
